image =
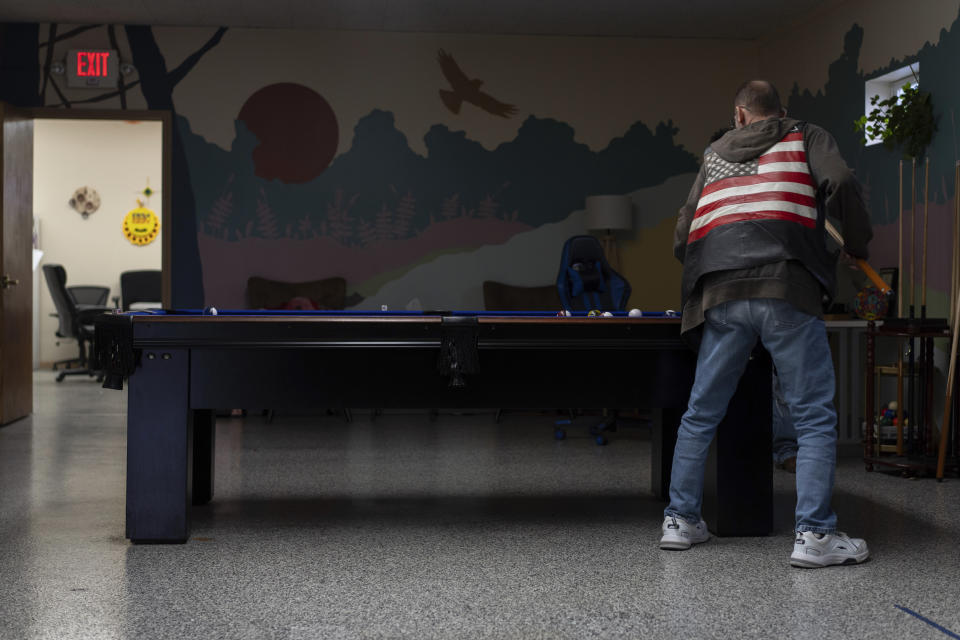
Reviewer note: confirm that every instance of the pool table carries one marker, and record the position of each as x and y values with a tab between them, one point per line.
181	366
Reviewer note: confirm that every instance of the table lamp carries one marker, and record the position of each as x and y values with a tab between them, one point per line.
609	214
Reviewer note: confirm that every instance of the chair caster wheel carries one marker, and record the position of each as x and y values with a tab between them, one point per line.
559	434
601	441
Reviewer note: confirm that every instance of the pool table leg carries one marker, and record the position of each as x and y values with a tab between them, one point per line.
738	478
159	439
738	487
664	440
204	445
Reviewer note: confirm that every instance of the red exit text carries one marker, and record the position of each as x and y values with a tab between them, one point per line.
92	63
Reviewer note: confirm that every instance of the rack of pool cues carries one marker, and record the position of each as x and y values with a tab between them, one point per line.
915	436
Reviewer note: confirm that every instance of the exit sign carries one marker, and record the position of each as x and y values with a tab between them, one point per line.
92	68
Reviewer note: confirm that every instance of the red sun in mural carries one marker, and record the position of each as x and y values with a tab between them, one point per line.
297	131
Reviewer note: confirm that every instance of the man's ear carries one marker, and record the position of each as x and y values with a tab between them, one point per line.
739	117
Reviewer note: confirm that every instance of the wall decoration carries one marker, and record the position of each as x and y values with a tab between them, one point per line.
141	225
85	200
467	90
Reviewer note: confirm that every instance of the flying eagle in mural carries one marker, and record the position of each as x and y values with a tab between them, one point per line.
467	90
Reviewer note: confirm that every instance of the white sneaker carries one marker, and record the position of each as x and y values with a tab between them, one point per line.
812	552
678	534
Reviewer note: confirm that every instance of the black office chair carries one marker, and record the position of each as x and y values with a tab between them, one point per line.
92	295
88	295
76	320
141	286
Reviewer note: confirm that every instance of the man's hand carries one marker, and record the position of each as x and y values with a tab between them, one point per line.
848	260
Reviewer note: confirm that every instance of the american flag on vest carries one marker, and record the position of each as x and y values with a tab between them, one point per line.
776	185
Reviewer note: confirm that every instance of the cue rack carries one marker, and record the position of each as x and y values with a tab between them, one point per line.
918	448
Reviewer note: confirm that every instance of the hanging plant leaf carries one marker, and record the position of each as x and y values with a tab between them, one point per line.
905	120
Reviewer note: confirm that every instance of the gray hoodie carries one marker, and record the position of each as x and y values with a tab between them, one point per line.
838	197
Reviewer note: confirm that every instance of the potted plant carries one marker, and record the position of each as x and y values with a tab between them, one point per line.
902	120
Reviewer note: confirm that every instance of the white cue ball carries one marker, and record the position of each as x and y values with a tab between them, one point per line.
671	313
635	313
213	311
607	314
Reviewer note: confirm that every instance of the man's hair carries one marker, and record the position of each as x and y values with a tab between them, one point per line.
759	97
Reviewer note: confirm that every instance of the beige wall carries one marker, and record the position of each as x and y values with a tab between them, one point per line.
116	158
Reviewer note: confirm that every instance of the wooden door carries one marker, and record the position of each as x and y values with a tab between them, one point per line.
16	264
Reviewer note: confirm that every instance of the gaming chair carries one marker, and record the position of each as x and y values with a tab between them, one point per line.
586	281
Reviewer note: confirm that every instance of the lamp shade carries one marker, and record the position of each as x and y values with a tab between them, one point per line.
609	212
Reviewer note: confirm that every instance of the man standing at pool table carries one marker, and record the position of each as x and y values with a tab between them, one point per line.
756	267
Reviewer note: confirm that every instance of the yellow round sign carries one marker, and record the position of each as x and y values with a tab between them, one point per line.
141	226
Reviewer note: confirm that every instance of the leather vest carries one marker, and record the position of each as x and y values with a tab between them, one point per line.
758	212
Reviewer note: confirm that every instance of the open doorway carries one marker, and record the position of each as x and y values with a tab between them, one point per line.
99	184
20	316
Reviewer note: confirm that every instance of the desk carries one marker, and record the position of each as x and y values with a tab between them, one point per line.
180	366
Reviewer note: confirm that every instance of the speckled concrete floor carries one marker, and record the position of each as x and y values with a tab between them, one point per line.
459	528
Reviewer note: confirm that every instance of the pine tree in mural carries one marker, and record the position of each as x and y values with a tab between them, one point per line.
339	221
487	208
221	211
450	207
406	211
383	226
305	227
266	218
366	233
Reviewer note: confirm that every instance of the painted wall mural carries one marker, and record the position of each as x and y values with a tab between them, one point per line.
321	177
841	102
463	89
269	207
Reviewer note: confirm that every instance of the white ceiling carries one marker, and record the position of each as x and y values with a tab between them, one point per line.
731	19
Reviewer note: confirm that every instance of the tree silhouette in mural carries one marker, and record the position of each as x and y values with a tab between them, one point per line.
19	62
157	85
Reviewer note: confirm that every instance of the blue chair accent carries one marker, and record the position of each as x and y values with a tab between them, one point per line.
586	281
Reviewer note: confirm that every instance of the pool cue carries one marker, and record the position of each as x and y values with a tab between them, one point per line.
923	253
913	254
900	305
899	398
913	228
954	261
900	237
866	268
945	425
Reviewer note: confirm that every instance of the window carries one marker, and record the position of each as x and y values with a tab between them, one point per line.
889	85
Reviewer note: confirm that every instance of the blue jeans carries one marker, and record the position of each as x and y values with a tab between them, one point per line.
784	435
797	342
